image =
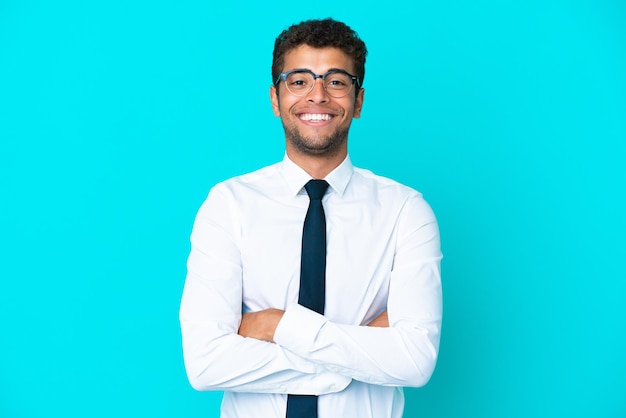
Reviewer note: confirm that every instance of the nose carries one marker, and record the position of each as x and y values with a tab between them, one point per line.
318	92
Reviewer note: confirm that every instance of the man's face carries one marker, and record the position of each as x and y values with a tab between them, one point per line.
316	123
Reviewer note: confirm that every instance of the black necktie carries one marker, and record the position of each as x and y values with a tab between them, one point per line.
312	279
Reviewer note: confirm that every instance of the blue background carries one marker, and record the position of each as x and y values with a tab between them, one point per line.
117	117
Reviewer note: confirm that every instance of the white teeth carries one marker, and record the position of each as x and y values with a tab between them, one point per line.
315	117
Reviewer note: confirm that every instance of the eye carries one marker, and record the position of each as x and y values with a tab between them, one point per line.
337	81
298	80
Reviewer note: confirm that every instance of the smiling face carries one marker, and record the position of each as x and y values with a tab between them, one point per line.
316	124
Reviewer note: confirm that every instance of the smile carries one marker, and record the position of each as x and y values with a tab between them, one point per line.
315	117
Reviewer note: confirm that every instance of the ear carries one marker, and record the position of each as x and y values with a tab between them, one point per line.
358	103
274	100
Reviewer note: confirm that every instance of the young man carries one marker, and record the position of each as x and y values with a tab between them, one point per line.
248	324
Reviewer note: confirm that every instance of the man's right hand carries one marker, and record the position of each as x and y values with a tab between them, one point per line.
260	325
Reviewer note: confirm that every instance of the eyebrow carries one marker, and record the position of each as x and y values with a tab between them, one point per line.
339	69
329	70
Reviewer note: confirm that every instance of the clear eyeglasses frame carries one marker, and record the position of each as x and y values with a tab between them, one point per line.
300	82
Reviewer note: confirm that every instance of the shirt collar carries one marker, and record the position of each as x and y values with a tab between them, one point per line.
296	177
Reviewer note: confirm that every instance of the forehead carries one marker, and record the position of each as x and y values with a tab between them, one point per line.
318	60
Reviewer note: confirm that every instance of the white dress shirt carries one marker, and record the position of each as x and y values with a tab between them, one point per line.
383	252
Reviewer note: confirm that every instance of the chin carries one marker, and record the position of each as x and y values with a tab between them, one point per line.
325	145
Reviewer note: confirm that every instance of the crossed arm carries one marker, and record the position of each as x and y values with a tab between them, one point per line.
262	324
298	350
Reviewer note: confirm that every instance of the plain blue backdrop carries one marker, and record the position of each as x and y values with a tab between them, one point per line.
117	117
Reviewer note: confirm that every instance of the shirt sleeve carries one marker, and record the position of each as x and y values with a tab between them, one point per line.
216	357
405	353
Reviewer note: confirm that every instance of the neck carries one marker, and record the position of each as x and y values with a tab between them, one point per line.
317	166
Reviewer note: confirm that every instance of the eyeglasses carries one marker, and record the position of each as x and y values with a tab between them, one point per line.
301	81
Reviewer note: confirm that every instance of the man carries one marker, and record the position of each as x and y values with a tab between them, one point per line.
247	329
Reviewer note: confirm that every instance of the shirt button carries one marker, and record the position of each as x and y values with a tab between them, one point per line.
333	387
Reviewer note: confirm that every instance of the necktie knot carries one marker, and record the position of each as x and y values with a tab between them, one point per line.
316	189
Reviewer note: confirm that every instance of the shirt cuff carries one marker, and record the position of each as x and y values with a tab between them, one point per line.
298	329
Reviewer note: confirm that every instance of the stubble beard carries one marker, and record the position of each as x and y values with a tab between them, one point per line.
321	146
